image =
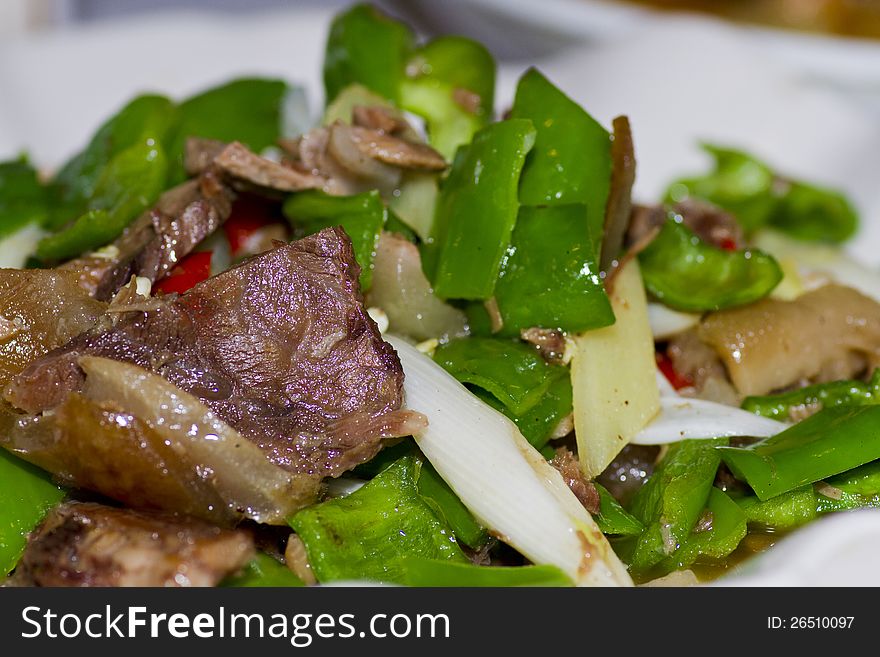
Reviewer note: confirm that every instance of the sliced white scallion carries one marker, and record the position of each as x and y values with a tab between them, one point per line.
681	418
508	486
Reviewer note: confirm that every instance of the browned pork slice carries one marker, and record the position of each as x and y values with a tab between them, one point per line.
827	334
712	224
158	239
40	309
280	348
86	544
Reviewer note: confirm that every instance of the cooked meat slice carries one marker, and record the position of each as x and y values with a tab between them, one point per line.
158	239
395	151
243	166
711	224
200	153
136	438
549	342
567	465
279	347
618	208
85	544
40	309
371	154
830	333
382	119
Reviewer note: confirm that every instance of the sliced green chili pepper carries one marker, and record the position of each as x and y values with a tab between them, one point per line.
671	501
79	180
263	571
128	185
821	395
550	277
812	213
449	508
612	518
248	110
688	274
538	423
758	197
428	572
571	161
476	211
513	372
23	200
28	493
450	82
834	440
364	535
786	511
362	216
727	527
854	489
366	47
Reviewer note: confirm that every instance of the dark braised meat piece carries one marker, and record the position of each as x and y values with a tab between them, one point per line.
279	347
566	462
158	239
86	544
711	224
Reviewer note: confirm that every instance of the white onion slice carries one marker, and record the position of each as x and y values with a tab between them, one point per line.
508	486
681	418
666	322
15	248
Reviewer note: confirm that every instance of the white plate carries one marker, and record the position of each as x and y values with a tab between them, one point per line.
809	106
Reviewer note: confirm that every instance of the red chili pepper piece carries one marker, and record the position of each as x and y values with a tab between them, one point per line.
728	244
677	380
193	269
249	214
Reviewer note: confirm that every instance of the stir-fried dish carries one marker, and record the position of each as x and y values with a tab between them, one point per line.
414	343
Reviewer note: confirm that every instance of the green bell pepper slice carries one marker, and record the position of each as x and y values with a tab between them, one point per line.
612	518
834	440
854	489
128	185
78	181
538	423
511	371
28	494
263	571
821	395
248	110
365	535
366	47
450	81
571	160
450	509
757	196
787	511
687	274
727	529
476	212
671	501
550	276
433	573
23	199
362	216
